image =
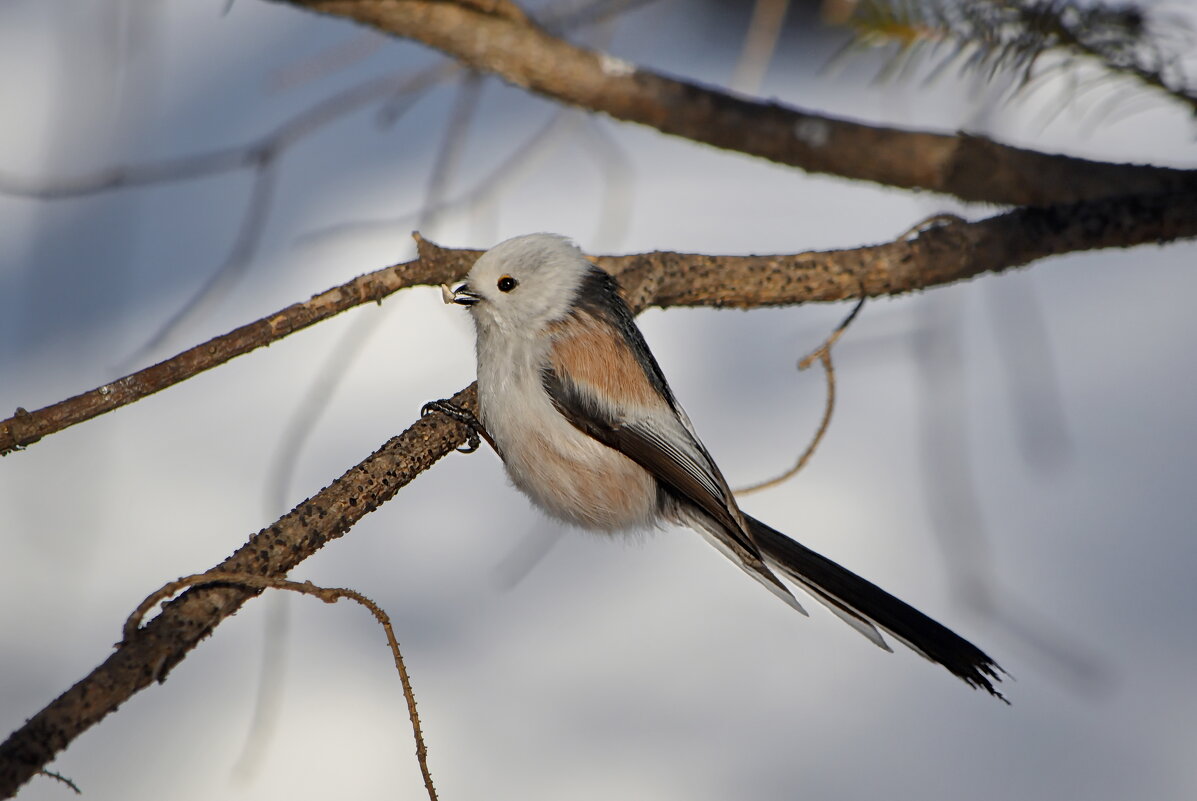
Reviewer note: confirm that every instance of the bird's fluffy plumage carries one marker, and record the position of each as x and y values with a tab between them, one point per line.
588	428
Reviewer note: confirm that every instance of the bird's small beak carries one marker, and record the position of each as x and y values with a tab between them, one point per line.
462	296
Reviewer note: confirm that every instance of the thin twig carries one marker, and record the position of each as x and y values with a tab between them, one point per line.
60	778
329	595
823	354
325	63
926	224
351	344
261	155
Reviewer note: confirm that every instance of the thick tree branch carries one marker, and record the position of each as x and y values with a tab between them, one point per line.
151	653
970	167
942	255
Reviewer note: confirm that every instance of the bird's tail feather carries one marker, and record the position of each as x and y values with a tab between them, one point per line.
862	604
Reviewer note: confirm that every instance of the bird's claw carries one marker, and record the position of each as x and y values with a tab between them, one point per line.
463	416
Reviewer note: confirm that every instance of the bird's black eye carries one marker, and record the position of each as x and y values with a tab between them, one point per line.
507	283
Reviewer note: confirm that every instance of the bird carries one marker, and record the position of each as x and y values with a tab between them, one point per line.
575	404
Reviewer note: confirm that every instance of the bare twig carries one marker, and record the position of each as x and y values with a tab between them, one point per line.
327	62
617	173
345	352
823	354
1032	377
60	778
349	346
268	696
329	595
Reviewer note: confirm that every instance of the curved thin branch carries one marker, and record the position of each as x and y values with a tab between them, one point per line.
253	154
970	167
954	251
823	355
330	595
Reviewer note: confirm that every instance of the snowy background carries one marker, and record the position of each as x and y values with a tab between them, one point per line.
1026	439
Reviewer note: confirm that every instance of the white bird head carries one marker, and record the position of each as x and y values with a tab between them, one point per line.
523	284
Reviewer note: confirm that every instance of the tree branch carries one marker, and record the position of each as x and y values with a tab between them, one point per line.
150	653
945	254
972	168
24	428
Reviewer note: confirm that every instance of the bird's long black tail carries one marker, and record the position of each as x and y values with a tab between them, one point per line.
862	604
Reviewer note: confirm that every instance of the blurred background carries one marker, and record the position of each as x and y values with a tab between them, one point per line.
1013	455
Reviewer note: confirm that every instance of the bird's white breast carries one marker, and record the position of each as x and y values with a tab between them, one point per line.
564	471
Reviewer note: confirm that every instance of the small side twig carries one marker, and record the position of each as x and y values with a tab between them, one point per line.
60	778
926	224
329	595
823	354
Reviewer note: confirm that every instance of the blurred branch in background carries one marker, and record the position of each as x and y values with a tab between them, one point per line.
954	503
764	29
1032	375
306	412
260	156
